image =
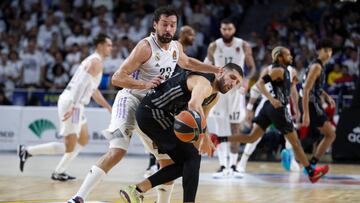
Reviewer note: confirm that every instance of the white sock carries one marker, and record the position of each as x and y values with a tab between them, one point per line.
233	158
67	159
164	193
94	177
288	145
47	148
249	149
222	152
294	165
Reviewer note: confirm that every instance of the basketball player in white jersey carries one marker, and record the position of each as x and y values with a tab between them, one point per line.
152	61
229	112
83	85
186	39
254	95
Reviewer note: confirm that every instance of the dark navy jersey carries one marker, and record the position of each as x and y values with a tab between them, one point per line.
316	91
281	88
173	95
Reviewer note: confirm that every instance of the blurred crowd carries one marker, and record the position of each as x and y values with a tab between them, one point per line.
304	24
42	42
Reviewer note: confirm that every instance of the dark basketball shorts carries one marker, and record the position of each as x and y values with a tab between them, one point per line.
280	117
317	114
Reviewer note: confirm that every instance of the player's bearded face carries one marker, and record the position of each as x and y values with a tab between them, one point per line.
227	32
166	28
223	87
228	38
165	38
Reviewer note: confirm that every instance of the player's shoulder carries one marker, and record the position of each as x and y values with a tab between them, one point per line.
143	50
212	46
143	44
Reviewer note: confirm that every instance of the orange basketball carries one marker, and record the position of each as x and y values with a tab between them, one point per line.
189	125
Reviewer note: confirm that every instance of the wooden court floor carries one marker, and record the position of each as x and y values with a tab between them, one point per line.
264	182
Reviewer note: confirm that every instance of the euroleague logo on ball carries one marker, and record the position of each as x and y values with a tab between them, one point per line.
189	125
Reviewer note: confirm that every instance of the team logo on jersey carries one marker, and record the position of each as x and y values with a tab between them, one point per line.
157	56
174	55
157	65
237	49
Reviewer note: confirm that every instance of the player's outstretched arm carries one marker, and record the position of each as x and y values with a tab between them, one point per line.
193	64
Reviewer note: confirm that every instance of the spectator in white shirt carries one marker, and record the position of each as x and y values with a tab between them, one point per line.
74	55
33	66
58	78
112	63
14	68
136	31
353	63
45	34
76	38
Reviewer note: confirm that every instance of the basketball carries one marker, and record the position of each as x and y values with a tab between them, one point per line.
189	125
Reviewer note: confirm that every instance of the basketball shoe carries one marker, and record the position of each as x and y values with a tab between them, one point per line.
233	172
318	173
131	195
23	156
62	177
76	199
220	173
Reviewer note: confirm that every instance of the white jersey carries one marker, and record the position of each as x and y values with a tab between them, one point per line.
95	81
229	54
162	62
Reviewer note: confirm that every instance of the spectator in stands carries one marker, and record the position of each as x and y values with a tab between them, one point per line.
335	74
75	38
14	68
3	67
112	63
3	99
45	35
74	55
33	66
58	78
136	32
353	63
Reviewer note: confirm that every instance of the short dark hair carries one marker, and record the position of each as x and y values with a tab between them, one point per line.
324	43
165	10
100	38
227	21
233	66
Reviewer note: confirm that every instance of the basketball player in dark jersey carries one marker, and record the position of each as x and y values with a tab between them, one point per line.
186	39
155	117
314	115
275	111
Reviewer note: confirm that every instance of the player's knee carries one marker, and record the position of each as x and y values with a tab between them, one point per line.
329	132
165	162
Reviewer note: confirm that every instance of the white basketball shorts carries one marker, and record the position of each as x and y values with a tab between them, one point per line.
123	124
73	124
